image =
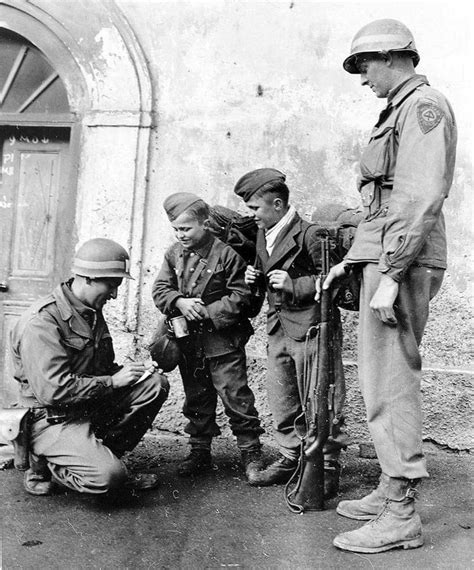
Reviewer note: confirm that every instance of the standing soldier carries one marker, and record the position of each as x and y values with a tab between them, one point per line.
406	173
86	410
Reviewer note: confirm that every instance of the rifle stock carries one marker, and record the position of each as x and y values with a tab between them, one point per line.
308	493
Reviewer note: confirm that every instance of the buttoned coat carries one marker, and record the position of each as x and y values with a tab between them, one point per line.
218	279
297	251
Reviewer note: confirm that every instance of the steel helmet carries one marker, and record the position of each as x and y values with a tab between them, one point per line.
99	258
381	36
164	348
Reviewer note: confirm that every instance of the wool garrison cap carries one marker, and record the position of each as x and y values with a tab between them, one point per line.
256	180
178	203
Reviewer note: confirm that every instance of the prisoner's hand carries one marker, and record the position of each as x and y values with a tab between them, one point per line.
383	300
251	275
280	281
192	308
129	374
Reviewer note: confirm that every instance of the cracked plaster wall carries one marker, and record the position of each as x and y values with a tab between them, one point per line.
240	85
244	85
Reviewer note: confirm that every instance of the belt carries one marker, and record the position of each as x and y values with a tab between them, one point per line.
52	417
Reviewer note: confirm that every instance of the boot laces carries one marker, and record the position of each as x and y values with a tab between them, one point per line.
382	513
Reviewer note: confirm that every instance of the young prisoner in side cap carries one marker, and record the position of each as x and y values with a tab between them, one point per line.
288	266
202	279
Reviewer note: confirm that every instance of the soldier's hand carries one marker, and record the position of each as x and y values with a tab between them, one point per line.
192	308
129	373
335	273
280	280
383	300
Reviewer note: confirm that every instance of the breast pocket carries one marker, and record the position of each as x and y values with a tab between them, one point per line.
375	161
216	286
80	352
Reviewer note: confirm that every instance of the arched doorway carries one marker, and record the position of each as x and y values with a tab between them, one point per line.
37	201
74	150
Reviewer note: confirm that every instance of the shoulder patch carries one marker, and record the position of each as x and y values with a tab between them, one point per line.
429	116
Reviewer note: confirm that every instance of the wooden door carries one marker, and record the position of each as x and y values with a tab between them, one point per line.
37	208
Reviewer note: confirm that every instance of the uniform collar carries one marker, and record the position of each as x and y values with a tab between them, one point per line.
69	306
398	93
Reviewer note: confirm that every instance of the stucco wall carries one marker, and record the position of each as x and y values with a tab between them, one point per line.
236	85
240	85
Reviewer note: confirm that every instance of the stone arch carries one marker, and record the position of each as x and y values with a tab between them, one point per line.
96	52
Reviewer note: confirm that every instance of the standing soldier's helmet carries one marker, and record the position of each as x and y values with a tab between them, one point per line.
381	36
99	258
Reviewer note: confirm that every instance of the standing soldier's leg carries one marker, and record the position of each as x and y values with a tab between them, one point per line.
390	378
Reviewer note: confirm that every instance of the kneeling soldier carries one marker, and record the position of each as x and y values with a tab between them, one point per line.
87	411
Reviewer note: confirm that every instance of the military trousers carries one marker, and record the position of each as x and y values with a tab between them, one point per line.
84	453
225	376
289	362
389	364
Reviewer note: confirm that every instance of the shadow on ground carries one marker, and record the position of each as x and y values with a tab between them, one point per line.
219	521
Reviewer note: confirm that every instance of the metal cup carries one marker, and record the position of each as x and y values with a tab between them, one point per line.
180	327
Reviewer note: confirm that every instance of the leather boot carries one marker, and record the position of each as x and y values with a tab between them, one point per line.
396	526
252	462
368	507
332	474
280	471
198	461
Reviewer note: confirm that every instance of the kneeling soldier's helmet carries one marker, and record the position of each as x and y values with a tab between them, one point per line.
381	36
101	257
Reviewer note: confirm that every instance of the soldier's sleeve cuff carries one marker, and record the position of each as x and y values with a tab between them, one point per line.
386	267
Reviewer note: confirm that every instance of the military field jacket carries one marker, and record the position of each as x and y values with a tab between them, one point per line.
215	274
297	251
57	358
406	173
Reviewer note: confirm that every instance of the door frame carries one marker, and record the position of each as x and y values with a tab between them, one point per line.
67	36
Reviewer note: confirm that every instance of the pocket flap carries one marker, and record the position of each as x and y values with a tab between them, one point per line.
76	342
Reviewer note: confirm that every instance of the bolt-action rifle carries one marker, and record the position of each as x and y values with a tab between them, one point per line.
308	491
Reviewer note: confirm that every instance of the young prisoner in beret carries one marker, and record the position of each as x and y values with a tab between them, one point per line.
288	266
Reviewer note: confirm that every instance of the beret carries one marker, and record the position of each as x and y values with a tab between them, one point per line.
177	203
256	180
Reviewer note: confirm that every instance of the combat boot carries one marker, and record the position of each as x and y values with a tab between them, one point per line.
396	526
37	479
252	462
368	507
198	461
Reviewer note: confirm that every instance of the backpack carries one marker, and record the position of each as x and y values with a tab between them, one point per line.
340	223
240	232
335	220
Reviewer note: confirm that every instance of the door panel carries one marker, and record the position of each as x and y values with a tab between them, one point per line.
37	210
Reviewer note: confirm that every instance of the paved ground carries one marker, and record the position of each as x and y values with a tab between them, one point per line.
219	521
